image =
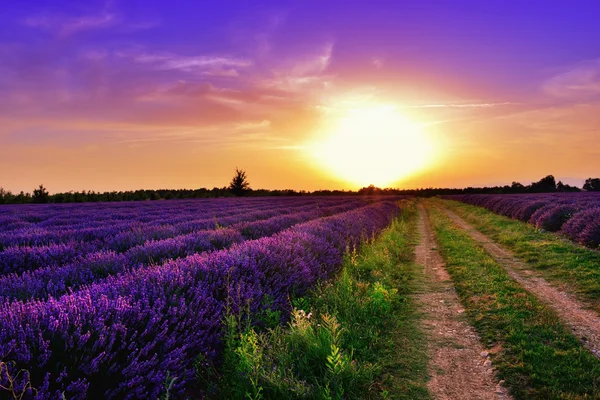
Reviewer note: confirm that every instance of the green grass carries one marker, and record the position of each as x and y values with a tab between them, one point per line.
537	356
560	261
356	337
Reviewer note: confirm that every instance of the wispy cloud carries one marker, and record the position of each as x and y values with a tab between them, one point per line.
203	64
314	64
66	26
377	62
578	81
461	105
309	71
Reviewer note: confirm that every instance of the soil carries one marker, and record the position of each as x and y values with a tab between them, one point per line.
460	367
583	322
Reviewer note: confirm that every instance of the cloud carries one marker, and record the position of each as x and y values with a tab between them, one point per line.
314	64
579	81
377	62
251	126
204	64
66	26
222	134
461	105
304	73
222	72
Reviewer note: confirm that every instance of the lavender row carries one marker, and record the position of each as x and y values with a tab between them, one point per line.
120	338
64	246
156	216
36	214
17	259
20	258
91	231
56	280
37	235
576	215
162	213
27	216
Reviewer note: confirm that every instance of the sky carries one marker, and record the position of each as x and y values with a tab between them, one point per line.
121	95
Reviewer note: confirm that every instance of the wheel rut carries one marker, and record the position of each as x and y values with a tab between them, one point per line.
583	322
460	368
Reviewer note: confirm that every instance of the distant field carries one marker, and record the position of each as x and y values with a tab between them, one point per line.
575	215
117	300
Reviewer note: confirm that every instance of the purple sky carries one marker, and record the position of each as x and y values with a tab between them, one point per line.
119	95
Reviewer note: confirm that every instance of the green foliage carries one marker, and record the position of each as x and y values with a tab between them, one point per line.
301	303
381	297
168	385
538	357
268	317
355	337
305	361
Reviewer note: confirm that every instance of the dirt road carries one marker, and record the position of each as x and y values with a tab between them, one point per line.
460	368
584	323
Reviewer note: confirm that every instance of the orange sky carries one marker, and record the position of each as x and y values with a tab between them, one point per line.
112	96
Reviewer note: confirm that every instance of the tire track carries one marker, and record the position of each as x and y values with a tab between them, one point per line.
583	323
460	368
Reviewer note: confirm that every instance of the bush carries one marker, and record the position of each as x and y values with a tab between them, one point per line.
554	218
41	195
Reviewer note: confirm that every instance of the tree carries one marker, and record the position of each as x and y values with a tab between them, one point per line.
517	187
5	196
370	190
547	184
239	184
563	187
592	185
40	195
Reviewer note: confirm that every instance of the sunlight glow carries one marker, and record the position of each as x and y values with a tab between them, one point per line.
372	144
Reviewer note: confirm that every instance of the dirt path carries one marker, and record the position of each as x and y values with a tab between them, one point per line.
584	323
460	368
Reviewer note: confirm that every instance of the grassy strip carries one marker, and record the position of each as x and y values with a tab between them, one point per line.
356	337
537	356
559	260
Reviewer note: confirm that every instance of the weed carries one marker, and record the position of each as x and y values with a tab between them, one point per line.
354	337
17	388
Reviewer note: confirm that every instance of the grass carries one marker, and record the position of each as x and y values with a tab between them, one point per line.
560	261
532	350
356	337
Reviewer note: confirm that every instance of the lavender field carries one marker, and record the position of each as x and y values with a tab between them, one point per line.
575	215
107	300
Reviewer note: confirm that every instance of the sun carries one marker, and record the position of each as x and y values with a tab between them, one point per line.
371	144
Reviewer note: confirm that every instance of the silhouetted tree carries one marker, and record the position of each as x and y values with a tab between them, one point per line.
22	198
517	187
547	184
40	195
592	185
5	196
563	187
239	184
370	190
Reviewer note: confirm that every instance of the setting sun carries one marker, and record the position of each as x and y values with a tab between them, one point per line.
372	144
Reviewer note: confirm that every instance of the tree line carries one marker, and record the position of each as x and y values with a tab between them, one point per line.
547	184
240	186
